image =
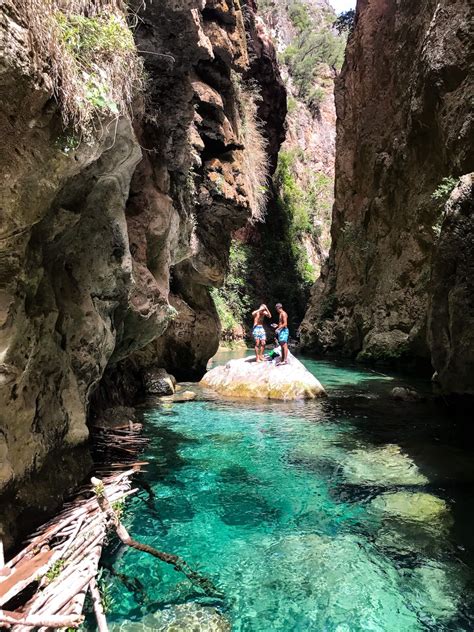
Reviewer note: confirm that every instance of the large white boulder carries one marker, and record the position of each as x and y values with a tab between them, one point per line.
266	380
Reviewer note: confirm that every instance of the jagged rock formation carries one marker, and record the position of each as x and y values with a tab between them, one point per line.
404	104
109	247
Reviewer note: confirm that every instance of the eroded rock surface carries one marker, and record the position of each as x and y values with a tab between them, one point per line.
451	309
264	380
404	105
106	243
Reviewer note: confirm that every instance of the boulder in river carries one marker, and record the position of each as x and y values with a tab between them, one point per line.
158	382
405	394
265	380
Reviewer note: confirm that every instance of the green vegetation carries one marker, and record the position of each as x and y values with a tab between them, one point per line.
445	188
299	15
90	56
315	45
104	584
232	300
55	570
119	507
345	22
256	273
441	194
307	207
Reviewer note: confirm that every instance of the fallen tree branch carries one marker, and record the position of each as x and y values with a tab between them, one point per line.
177	562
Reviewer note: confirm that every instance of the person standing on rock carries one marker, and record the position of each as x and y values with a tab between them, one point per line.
283	333
258	331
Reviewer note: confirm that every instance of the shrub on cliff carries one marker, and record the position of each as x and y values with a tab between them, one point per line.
89	54
232	300
255	156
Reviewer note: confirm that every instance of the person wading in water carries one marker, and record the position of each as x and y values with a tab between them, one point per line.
258	331
282	332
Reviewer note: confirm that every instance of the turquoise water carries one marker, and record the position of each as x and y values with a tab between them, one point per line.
346	514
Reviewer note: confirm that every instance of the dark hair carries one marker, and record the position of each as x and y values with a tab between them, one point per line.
278	305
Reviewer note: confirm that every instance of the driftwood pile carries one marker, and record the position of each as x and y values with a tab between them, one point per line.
44	586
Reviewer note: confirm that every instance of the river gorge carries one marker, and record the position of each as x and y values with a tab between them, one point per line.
167	166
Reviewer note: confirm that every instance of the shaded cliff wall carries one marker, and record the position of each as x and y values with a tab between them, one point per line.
105	243
296	230
404	106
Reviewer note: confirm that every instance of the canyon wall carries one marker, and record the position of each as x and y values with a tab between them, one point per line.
109	244
398	283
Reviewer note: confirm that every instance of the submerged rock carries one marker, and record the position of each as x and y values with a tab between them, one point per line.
266	380
413	506
412	522
188	617
386	465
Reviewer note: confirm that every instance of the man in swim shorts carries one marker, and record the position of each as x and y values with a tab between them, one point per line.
282	332
258	331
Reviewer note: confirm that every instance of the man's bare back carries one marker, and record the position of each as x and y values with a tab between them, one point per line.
258	330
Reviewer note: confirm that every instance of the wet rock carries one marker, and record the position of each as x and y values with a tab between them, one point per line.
182	618
180	397
405	394
413	523
264	380
158	382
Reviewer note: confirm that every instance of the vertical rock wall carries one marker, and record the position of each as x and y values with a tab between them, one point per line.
108	248
405	122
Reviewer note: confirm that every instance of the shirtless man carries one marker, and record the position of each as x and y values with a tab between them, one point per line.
259	332
283	333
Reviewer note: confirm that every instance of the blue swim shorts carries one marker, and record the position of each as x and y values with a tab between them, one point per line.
259	333
283	335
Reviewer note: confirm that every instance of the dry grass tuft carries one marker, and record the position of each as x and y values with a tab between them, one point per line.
256	162
84	51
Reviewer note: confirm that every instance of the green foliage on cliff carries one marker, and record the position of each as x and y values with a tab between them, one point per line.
345	22
88	53
277	267
306	207
299	15
232	300
445	188
304	57
316	44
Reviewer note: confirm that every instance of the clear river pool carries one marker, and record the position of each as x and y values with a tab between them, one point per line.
345	514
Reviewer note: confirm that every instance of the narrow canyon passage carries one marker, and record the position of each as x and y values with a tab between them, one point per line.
348	513
185	181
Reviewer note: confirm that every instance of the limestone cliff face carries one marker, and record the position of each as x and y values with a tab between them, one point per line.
108	247
404	105
311	127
